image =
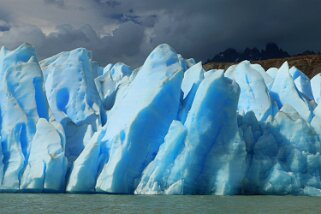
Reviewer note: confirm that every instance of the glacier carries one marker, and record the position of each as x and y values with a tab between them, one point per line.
67	124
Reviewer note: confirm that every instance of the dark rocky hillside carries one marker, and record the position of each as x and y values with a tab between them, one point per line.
271	56
309	64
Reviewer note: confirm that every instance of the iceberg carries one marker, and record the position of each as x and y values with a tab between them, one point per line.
254	96
210	155
302	83
285	91
316	88
139	121
68	124
285	156
191	81
22	104
74	101
113	77
47	164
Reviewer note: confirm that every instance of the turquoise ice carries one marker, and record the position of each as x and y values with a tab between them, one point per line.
68	124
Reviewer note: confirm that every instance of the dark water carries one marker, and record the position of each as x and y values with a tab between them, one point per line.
69	203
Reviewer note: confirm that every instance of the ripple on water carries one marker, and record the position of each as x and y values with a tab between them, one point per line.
101	203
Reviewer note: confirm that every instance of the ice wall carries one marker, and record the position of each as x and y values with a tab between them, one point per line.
167	127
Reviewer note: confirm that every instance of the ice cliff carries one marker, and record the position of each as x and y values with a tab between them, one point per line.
167	127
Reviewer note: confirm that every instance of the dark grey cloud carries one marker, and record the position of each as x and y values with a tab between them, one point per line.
66	37
126	30
59	3
109	3
4	26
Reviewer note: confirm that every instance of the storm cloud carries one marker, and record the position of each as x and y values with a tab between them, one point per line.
128	30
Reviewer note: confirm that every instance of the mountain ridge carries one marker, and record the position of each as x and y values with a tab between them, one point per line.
271	51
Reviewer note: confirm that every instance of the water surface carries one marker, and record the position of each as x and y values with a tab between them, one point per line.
101	203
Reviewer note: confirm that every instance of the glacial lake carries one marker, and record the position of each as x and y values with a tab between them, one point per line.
102	203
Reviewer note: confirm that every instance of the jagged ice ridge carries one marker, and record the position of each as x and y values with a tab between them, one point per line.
167	127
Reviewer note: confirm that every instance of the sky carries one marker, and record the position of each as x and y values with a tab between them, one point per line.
128	30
